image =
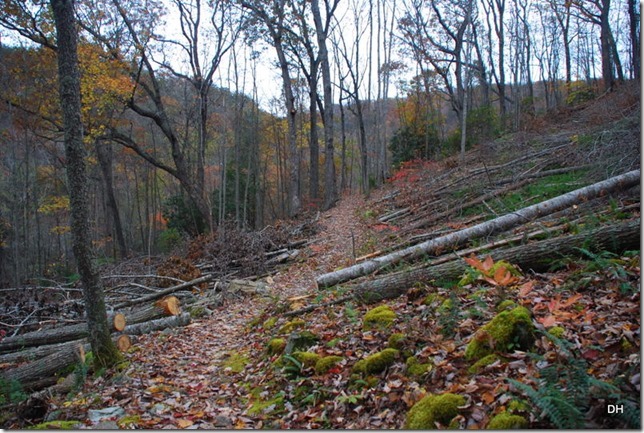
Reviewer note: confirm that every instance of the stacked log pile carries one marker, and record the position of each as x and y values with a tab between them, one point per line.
141	296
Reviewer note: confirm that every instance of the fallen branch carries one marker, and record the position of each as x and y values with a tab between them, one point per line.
487	228
164	292
537	256
155	325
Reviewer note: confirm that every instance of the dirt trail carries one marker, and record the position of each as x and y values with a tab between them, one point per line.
176	378
341	231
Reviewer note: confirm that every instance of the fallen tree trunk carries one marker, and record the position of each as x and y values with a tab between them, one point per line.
55	335
497	225
49	365
53	363
164	292
155	325
443	215
537	256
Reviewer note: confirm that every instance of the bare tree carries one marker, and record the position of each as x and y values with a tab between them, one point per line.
443	50
273	18
598	13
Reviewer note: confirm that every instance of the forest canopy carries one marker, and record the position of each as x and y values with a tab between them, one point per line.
198	114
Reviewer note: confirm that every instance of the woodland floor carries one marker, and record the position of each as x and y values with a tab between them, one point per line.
218	371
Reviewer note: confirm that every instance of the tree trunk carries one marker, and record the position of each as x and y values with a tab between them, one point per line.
488	228
104	156
105	352
55	362
634	24
165	307
536	256
330	188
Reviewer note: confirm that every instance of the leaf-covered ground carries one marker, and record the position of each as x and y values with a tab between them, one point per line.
359	368
219	372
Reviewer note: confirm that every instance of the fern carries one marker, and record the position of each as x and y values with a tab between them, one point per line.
292	367
565	390
554	404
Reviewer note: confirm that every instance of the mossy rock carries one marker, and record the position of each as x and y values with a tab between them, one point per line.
482	363
323	365
381	317
376	363
416	368
276	346
508	304
57	425
556	331
308	359
432	409
507	331
292	325
507	421
300	341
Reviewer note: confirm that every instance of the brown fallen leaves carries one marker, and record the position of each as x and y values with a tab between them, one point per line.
180	379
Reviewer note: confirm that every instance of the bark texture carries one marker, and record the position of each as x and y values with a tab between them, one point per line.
537	256
105	352
488	228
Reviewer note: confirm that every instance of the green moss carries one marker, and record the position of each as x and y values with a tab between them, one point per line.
274	405
377	362
432	409
507	421
432	298
556	331
236	362
446	306
415	368
323	365
482	363
396	341
57	425
508	304
129	421
290	326
519	406
381	317
276	346
507	331
300	341
308	359
196	311
269	323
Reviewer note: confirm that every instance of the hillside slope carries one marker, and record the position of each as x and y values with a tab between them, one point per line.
299	357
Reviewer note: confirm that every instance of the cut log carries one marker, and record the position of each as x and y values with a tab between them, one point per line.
155	325
119	321
45	367
497	225
34	353
123	342
537	256
42	337
165	307
164	292
170	305
49	365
